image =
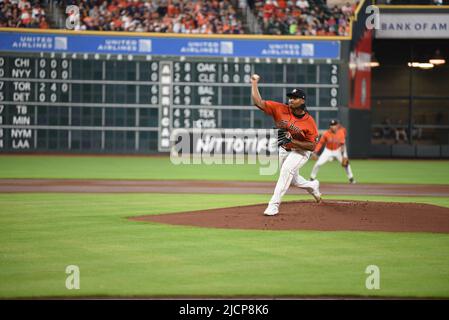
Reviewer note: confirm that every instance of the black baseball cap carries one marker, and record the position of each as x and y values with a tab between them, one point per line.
297	93
333	122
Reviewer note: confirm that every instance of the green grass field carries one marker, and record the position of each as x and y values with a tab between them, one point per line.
365	171
41	234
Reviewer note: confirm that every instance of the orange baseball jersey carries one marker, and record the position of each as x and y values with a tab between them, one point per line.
331	140
302	129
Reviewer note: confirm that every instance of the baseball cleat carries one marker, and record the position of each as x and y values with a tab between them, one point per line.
315	191
271	210
352	181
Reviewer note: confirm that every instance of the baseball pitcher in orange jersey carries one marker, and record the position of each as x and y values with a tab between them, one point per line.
335	148
299	139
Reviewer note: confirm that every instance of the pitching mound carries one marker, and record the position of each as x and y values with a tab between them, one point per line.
326	216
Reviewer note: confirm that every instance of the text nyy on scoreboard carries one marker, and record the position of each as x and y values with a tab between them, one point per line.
105	93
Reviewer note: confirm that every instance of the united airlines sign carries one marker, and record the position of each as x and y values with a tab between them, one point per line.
413	26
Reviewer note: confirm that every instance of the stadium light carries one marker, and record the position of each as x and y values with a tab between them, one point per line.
426	65
413	64
437	59
421	65
374	62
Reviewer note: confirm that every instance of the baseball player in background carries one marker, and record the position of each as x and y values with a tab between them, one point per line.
335	148
297	138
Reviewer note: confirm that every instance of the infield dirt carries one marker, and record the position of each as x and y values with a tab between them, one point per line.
326	216
330	215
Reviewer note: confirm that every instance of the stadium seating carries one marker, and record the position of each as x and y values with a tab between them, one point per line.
275	17
303	17
23	14
178	16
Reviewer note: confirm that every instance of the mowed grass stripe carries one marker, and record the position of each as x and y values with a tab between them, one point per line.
161	168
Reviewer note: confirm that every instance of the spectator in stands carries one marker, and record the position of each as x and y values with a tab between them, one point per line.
302	4
178	16
347	9
400	132
299	18
387	128
279	17
22	14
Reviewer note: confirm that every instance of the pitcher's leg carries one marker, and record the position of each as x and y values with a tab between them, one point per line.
283	154
312	187
289	169
273	208
300	182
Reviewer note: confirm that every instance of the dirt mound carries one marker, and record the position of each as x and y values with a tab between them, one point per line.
325	216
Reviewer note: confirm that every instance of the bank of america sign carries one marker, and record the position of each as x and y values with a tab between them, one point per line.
413	26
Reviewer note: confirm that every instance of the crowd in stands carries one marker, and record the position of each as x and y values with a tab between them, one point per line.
23	14
173	16
276	17
300	17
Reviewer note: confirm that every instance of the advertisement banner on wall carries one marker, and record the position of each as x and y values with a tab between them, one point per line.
360	73
111	44
413	26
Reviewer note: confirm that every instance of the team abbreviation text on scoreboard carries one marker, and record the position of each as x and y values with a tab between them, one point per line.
131	103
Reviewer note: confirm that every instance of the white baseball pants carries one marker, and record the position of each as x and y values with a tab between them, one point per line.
330	155
290	162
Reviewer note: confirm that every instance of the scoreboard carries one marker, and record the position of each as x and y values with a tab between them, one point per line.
128	102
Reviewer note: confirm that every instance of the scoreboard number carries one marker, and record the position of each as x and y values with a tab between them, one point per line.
2	63
334	79
153	100
148	96
334	69
334	92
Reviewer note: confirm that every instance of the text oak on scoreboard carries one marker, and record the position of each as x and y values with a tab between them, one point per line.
126	103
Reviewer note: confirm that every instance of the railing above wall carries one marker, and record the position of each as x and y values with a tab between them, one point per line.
410	8
410	3
404	150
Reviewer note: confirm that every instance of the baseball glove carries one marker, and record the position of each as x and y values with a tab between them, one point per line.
345	162
284	137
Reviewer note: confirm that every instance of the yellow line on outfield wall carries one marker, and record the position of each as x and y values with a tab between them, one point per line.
173	35
357	10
